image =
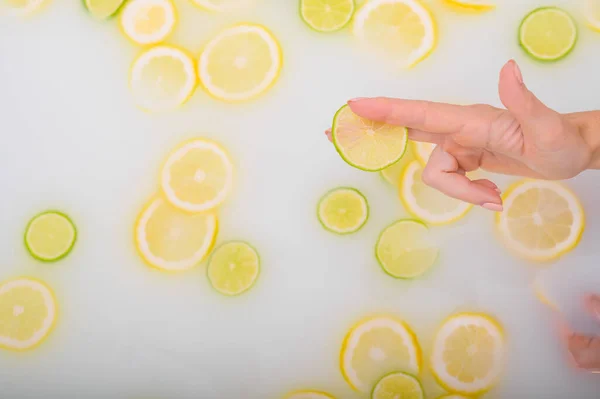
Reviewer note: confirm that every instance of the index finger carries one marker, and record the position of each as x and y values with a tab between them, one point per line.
429	116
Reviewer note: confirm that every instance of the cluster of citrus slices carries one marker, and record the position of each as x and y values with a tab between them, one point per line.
382	355
178	227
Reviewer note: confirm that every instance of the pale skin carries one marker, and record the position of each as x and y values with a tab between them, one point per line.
526	138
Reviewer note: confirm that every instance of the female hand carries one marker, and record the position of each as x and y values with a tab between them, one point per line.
584	350
526	139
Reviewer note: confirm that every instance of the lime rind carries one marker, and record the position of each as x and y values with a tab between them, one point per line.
64	253
356	228
336	28
211	264
402	373
539	57
106	12
338	148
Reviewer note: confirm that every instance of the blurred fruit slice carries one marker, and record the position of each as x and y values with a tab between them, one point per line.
423	151
343	210
23	7
398	385
103	9
326	15
233	268
148	21
308	395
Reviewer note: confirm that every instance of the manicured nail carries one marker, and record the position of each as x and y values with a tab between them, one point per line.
517	72
493	207
356	99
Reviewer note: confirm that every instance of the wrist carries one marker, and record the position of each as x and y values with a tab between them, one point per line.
588	124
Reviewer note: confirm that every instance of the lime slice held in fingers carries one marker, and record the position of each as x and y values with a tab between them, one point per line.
50	236
548	33
103	9
233	268
343	210
365	144
327	15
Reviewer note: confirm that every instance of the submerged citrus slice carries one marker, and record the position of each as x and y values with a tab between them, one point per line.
172	240
326	15
542	220
50	236
468	353
162	78
375	347
402	30
398	385
343	210
365	144
23	7
223	5
148	21
308	395
452	396
426	203
103	9
240	63
197	176
423	151
474	4
405	250
27	313
592	14
548	33
233	268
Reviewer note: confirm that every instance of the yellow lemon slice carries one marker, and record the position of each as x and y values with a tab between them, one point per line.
423	151
162	78
233	268
103	9
240	63
398	386
426	203
343	210
480	5
172	240
23	7
223	5
197	176
452	396
326	15
592	14
468	353
402	30
542	220
308	395
27	313
376	347
148	21
548	33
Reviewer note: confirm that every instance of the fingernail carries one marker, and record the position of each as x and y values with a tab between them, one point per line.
356	99
517	72
493	207
498	190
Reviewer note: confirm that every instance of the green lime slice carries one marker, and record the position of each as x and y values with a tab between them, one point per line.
398	385
327	15
367	145
103	9
343	210
548	34
233	268
50	236
405	250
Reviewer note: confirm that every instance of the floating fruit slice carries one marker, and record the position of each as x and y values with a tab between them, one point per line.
162	78
148	21
453	396
223	5
542	220
308	395
548	33
468	353
197	176
103	9
376	346
23	7
326	15
240	63
50	236
233	268
402	30
365	144
27	313
423	151
480	5
398	385
343	210
392	173
405	250
172	240
426	203
592	14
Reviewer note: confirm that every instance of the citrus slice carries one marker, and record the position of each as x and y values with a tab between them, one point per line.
27	313
223	5
343	210
148	21
50	236
468	353
452	396
548	33
326	15
172	240
402	30
23	7
103	9
162	78
365	144
474	4
542	220
592	14
540	294
308	395
423	151
392	173
197	176
233	268
405	250
398	386
240	63
375	347
426	203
